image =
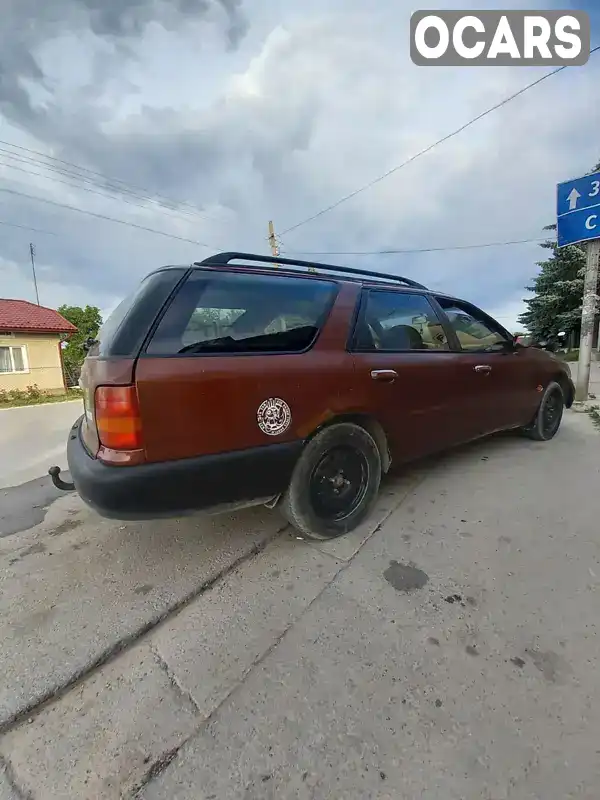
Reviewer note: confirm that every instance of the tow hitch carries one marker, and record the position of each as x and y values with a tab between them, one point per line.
54	473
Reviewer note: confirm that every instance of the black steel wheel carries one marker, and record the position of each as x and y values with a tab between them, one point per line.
549	414
339	482
335	482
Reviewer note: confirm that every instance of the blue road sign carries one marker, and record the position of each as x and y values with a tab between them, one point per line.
578	210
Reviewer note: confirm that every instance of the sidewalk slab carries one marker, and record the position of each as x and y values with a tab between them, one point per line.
211	646
129	713
78	587
7	790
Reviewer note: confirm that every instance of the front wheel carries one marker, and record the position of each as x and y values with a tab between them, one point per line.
335	482
549	415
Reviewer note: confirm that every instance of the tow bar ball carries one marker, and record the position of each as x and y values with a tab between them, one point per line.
54	473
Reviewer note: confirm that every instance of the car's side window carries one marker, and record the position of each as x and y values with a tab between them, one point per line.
475	332
397	322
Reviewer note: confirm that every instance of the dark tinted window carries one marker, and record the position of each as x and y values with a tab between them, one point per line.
126	328
473	329
236	313
397	321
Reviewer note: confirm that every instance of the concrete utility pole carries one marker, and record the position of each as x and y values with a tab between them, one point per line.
588	317
32	254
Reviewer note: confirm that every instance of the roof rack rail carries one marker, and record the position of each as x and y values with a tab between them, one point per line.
221	259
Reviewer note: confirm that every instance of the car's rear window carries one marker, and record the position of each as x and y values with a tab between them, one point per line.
125	329
238	313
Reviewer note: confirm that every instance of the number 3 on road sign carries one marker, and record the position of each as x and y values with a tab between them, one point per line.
596	190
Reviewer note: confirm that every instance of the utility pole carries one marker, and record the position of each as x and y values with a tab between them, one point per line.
588	318
275	246
32	254
273	241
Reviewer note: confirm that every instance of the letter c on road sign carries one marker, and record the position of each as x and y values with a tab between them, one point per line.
591	226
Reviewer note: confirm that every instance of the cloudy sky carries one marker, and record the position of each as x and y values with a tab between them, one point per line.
243	111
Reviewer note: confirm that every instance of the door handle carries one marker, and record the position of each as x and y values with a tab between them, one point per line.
484	368
388	375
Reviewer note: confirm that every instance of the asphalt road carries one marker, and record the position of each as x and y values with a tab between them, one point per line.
34	438
449	649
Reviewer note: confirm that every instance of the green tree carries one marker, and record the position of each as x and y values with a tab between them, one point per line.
87	321
558	290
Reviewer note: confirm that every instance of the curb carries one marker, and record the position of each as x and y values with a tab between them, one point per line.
39	405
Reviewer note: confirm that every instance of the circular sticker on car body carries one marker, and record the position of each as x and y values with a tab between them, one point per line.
274	416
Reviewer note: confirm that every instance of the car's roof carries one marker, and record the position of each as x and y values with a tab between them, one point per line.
392	283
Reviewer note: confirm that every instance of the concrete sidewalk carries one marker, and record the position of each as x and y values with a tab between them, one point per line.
448	651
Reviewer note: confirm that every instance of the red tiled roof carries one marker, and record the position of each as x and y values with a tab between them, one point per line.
20	315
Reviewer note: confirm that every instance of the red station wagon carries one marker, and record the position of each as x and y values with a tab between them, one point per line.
292	384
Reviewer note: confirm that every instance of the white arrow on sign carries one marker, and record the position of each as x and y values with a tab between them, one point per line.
573	198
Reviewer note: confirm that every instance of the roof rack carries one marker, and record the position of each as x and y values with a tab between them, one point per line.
221	259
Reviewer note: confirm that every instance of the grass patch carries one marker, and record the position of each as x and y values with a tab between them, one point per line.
34	396
572	355
594	413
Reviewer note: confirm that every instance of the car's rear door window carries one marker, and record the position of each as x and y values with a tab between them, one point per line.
236	313
125	329
476	332
397	322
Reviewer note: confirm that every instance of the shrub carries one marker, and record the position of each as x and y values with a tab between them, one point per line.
29	395
33	392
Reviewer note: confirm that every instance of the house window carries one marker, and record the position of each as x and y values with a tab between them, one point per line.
13	359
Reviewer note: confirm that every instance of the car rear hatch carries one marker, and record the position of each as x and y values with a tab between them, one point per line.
110	425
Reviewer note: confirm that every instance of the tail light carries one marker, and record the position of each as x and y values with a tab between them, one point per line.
118	417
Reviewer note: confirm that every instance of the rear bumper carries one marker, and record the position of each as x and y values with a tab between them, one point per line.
176	488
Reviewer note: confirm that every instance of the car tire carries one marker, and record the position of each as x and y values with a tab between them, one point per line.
548	416
335	482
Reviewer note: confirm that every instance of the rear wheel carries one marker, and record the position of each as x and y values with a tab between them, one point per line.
334	483
549	415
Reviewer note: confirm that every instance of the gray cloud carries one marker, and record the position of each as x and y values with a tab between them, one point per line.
115	18
28	24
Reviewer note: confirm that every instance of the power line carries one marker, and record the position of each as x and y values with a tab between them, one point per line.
118	183
98	192
429	148
108	190
26	228
107	218
407	251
